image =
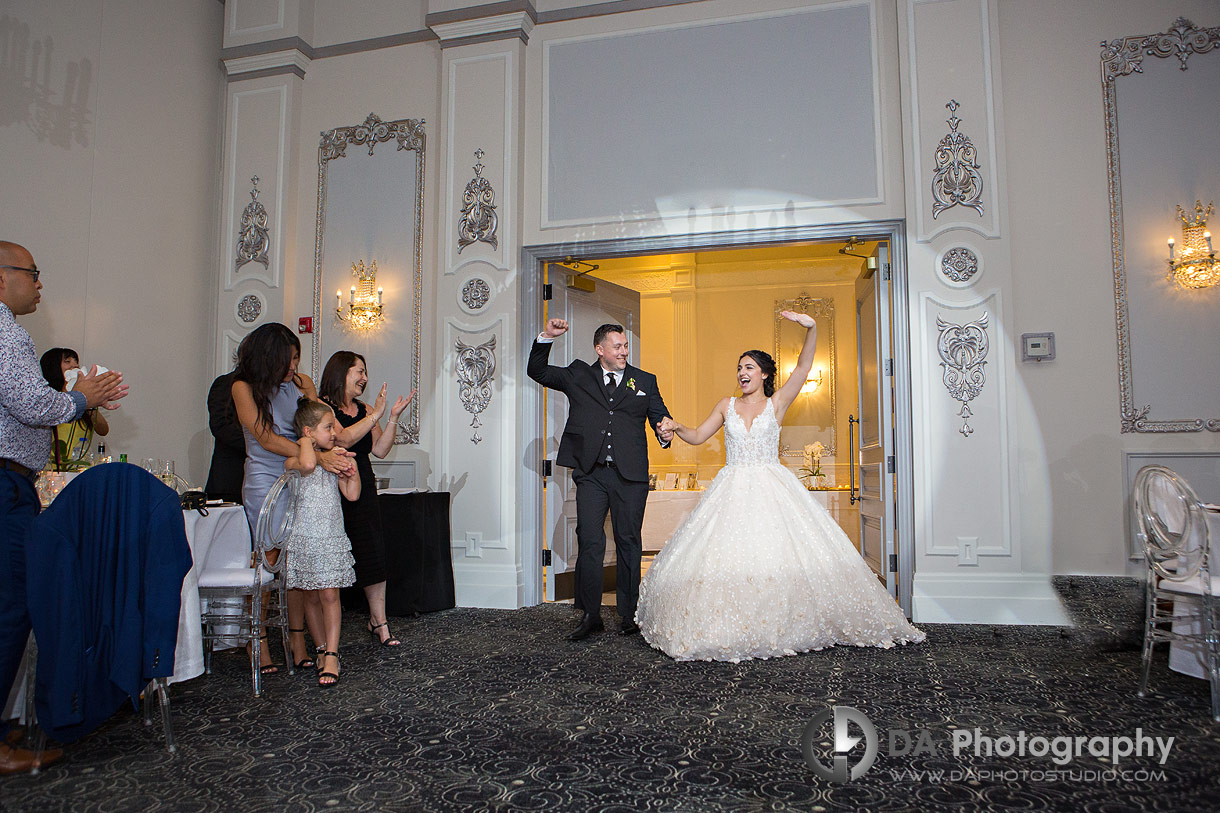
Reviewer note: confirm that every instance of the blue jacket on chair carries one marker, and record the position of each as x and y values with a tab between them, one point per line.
104	580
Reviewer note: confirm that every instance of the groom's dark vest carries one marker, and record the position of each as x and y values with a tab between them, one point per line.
594	415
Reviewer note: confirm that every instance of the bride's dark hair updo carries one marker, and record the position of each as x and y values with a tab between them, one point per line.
767	365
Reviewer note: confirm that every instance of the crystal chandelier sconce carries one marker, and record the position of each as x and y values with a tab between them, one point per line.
363	310
1194	265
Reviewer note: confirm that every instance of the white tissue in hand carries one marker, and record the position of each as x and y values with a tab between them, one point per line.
70	376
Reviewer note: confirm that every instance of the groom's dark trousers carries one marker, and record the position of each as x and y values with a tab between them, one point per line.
599	421
601	489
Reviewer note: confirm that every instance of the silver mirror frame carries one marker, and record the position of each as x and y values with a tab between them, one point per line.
409	135
1122	57
823	310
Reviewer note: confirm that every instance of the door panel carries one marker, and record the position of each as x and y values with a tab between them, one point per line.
584	311
877	508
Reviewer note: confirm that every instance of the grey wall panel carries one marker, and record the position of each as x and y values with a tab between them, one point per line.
755	114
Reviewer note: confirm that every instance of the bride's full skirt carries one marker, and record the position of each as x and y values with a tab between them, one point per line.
759	570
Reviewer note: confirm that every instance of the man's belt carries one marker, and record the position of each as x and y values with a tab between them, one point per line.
13	465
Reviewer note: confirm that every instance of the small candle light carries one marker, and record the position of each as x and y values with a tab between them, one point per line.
379	290
1208	236
351	300
338	299
1171	248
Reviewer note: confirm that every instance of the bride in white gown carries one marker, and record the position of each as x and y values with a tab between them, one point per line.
759	569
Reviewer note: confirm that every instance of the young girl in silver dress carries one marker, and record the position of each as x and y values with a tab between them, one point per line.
319	552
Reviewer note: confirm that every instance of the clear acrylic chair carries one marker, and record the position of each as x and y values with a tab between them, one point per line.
234	592
1180	593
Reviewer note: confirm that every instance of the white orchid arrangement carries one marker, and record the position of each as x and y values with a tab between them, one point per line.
813	460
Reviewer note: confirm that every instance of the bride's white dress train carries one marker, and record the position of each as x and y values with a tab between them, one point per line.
760	570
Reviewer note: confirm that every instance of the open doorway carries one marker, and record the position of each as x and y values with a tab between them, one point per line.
689	315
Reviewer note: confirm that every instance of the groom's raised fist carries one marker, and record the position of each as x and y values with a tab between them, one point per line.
555	327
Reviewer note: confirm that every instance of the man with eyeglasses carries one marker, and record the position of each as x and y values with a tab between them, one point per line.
29	407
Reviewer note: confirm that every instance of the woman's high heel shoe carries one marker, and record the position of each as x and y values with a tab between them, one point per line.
305	662
263	669
334	676
389	640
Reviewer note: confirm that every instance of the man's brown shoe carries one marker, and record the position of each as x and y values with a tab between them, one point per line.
20	760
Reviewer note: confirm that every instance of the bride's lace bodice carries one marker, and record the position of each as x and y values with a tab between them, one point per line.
756	447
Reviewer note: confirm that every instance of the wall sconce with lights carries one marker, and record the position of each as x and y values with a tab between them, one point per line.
812	384
1195	265
364	301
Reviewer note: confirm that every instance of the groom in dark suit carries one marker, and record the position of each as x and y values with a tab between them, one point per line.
604	445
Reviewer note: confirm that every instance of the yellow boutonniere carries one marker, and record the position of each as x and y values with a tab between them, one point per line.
631	383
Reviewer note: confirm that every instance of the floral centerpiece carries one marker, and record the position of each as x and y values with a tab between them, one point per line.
812	470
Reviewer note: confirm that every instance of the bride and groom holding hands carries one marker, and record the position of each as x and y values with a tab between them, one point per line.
758	569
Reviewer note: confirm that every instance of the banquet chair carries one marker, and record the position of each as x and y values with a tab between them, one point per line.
104	577
233	582
1171	527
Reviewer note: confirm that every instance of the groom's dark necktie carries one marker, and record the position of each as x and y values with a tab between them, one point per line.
611	384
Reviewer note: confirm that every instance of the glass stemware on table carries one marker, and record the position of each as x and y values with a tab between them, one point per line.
160	468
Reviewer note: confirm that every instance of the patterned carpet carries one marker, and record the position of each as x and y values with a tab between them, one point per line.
493	710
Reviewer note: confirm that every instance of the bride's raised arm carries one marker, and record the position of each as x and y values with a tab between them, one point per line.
786	394
706	429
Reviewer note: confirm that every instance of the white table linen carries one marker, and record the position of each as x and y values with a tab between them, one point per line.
201	533
1187	656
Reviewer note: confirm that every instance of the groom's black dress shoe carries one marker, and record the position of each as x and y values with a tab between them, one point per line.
588	625
628	627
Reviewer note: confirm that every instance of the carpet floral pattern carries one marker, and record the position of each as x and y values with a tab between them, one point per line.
494	710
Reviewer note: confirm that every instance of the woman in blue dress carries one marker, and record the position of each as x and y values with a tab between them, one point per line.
266	386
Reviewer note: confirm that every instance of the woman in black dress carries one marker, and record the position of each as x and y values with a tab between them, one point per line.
343	382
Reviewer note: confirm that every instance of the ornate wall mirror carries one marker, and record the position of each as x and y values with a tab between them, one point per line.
813	415
370	209
1162	139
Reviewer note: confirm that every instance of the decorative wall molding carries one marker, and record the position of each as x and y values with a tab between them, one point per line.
249	308
958	265
930	48
468	77
476	293
478	221
230	339
408	134
514	24
963	354
253	102
1123	57
235	28
474	369
287	61
956	180
253	239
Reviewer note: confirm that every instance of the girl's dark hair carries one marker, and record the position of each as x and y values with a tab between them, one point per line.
264	358
767	365
308	413
53	372
332	387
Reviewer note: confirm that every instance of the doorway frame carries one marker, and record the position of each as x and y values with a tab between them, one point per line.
533	258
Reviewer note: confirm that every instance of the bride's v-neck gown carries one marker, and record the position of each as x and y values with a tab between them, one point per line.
759	569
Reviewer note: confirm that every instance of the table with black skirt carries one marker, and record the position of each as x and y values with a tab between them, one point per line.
419	567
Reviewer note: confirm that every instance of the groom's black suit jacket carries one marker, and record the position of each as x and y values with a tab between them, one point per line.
591	415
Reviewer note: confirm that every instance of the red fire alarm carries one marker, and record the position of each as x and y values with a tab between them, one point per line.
305	325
